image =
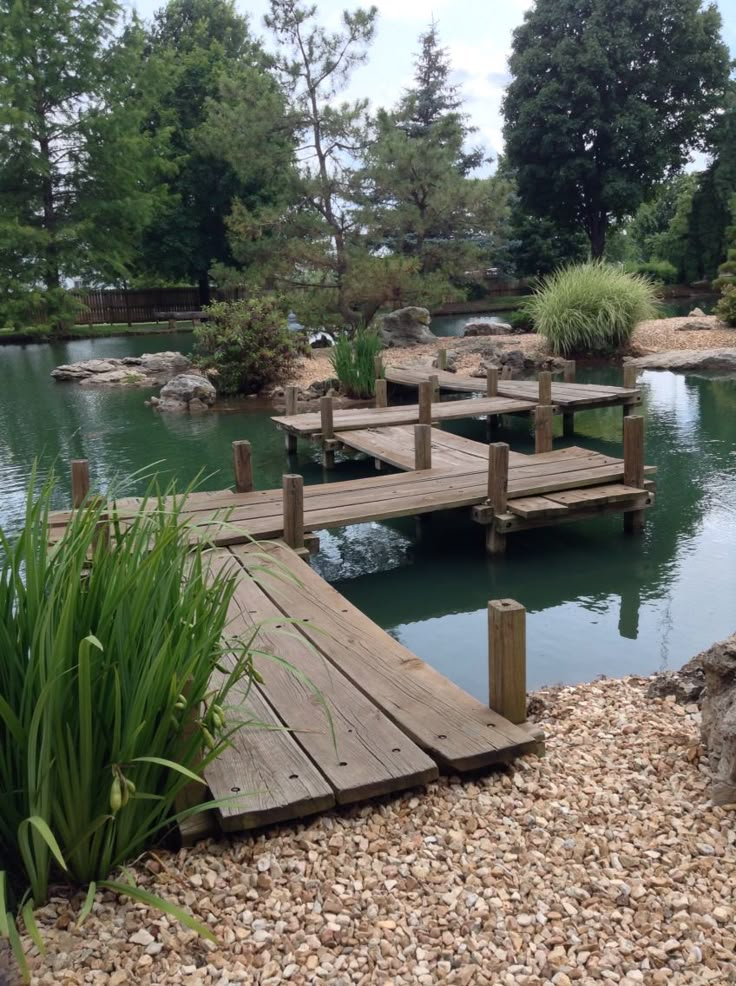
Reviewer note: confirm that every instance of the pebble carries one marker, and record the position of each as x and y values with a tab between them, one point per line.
602	862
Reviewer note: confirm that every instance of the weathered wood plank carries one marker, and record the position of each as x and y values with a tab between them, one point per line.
455	729
536	506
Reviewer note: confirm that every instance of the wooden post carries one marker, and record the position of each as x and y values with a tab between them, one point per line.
441	359
542	428
491	381
425	402
378	370
506	372
435	381
498	482
422	446
293	486
243	463
634	466
545	387
328	432
630	375
568	423
172	325
507	659
80	481
381	392
570	371
291	397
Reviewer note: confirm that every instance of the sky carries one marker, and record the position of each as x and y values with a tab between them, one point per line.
477	34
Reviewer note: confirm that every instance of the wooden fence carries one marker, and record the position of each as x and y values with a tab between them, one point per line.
128	306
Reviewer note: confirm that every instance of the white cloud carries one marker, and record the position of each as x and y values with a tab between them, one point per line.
414	11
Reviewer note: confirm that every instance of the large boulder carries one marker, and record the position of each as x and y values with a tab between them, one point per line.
719	718
149	370
406	327
186	392
698	324
688	359
487	327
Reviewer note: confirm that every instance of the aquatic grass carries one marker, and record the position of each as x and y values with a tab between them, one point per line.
109	641
353	359
590	308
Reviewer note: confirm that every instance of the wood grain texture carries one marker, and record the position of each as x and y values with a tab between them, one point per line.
243	467
507	659
80	481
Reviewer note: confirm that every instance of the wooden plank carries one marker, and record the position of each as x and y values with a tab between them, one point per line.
612	493
455	729
509	523
536	506
360	752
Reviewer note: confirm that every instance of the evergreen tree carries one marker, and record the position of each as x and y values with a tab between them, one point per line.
74	159
607	99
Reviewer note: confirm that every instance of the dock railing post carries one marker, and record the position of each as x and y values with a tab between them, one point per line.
498	482
543	416
422	446
545	387
630	376
328	432
80	481
291	396
381	392
507	659
293	486
425	402
441	359
506	372
243	464
491	381
634	466
569	376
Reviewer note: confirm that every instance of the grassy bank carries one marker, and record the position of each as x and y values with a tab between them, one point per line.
41	333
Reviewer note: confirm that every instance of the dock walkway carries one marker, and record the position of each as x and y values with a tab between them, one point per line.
394	722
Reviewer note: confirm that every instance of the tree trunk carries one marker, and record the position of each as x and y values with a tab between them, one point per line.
597	229
51	276
205	294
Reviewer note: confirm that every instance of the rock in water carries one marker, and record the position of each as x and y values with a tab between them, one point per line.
406	327
688	359
487	327
149	370
719	718
186	392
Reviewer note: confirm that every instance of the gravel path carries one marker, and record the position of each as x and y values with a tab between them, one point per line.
601	862
665	333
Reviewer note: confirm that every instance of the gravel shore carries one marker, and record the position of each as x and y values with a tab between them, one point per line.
656	335
602	862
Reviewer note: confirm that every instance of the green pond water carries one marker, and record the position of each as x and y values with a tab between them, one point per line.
599	602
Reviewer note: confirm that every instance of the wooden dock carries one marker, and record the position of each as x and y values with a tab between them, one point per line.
394	722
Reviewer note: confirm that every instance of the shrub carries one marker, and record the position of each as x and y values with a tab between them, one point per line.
353	360
107	710
726	307
590	308
521	321
659	271
245	345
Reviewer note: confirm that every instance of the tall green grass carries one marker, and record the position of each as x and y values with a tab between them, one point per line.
353	359
107	712
591	308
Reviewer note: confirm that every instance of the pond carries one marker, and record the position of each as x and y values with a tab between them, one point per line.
599	602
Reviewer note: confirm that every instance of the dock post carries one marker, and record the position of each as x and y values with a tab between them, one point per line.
243	463
378	370
507	659
630	375
426	388
422	446
506	372
542	428
328	432
381	392
293	486
634	466
491	381
291	395
545	388
441	359
498	481
80	481
569	376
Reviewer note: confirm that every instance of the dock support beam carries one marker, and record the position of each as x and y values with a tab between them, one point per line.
293	486
422	446
80	481
291	395
426	389
328	432
243	464
507	659
543	415
498	482
634	466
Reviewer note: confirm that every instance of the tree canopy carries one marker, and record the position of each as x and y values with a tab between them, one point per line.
606	100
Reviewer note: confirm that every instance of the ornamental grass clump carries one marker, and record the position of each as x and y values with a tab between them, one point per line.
591	308
108	645
354	361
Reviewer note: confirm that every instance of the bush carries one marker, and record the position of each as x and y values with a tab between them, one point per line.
521	321
726	307
245	346
659	271
353	360
107	710
590	308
